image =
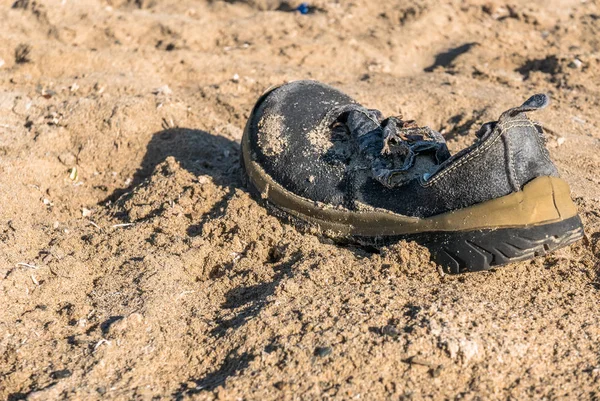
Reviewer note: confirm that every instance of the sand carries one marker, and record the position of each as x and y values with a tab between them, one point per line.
134	265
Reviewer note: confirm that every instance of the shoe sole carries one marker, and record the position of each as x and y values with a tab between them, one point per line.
478	250
538	219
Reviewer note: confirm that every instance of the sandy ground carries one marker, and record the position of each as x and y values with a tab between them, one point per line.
134	265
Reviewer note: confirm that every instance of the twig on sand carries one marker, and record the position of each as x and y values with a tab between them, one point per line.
27	265
123	225
184	293
99	343
415	360
95	225
434	370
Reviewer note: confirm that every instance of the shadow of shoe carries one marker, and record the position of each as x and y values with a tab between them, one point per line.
445	59
197	151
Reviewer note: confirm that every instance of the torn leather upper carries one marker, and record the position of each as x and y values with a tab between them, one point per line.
392	146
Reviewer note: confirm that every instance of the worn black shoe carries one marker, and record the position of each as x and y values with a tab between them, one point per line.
327	163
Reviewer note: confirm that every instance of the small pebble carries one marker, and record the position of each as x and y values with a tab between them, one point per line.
435	372
323	351
60	374
163	90
73	174
575	63
390	330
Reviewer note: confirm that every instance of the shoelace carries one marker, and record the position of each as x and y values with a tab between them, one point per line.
391	145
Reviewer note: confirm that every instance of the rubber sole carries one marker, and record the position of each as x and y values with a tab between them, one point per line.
478	250
466	251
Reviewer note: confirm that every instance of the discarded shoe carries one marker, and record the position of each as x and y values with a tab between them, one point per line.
322	160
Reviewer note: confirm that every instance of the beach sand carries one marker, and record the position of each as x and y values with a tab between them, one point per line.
134	265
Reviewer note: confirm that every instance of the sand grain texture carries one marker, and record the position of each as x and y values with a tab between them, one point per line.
134	265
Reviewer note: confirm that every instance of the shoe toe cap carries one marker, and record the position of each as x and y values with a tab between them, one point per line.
292	142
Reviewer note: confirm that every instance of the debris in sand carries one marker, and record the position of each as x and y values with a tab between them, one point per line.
123	225
85	212
434	370
35	281
236	78
22	53
184	293
27	265
61	374
168	124
95	225
99	88
576	63
23	4
2	62
245	45
47	94
163	90
390	330
323	351
415	360
99	343
73	174
303	8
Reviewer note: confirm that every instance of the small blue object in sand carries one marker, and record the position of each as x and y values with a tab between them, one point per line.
303	8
